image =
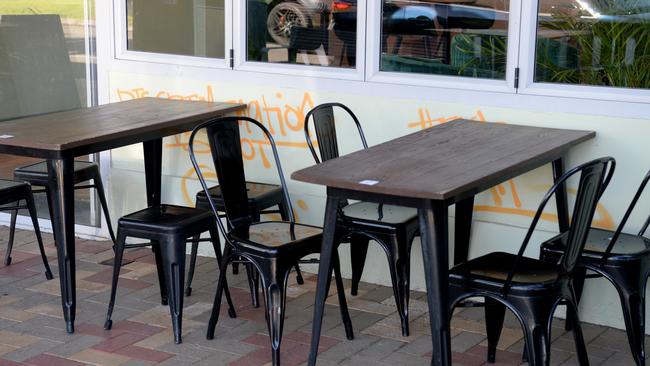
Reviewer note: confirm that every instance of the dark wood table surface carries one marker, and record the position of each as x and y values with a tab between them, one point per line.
62	136
431	169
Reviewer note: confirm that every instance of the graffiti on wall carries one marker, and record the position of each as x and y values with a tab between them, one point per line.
280	116
504	198
284	117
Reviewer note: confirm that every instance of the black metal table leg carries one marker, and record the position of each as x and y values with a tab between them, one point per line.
463	229
61	180
324	274
153	177
153	170
561	197
435	254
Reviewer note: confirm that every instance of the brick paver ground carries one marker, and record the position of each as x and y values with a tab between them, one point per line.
32	330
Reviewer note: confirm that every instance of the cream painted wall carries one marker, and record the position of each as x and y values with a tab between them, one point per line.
501	214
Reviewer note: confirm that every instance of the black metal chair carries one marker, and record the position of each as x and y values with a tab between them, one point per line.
13	192
272	247
392	227
168	227
261	197
36	175
531	288
624	260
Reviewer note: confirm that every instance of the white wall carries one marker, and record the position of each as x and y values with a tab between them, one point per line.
387	110
501	214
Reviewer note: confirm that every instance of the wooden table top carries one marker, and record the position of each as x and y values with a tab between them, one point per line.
85	131
447	161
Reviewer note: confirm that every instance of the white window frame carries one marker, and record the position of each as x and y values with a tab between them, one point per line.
528	86
366	79
122	53
353	74
441	81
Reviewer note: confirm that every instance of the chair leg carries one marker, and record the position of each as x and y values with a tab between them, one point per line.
581	349
12	232
274	282
537	319
117	264
216	305
173	256
282	208
31	207
494	314
190	272
299	279
253	284
631	289
343	304
155	247
399	268
48	196
579	275
216	245
99	187
358	252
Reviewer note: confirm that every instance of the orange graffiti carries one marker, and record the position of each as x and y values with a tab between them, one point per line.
603	219
189	174
136	93
427	121
278	116
208	173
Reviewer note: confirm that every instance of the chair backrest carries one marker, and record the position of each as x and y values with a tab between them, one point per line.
594	176
325	128
626	216
225	146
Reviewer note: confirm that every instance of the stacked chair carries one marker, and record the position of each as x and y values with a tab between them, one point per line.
12	192
37	175
624	260
272	247
392	227
532	288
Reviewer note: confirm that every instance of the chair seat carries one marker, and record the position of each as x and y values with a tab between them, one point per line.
37	173
168	219
12	191
368	211
628	246
6	184
491	270
270	237
260	195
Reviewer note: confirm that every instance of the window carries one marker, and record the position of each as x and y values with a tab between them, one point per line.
589	49
445	37
594	42
178	27
308	32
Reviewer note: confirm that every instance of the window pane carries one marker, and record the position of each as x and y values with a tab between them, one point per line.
179	27
44	65
594	42
445	37
310	32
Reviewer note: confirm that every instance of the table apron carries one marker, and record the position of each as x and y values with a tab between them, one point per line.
377	197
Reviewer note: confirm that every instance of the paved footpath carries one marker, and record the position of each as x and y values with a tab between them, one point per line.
32	330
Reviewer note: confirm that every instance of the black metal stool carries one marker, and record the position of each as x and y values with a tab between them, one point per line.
261	197
168	227
624	260
36	175
14	192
